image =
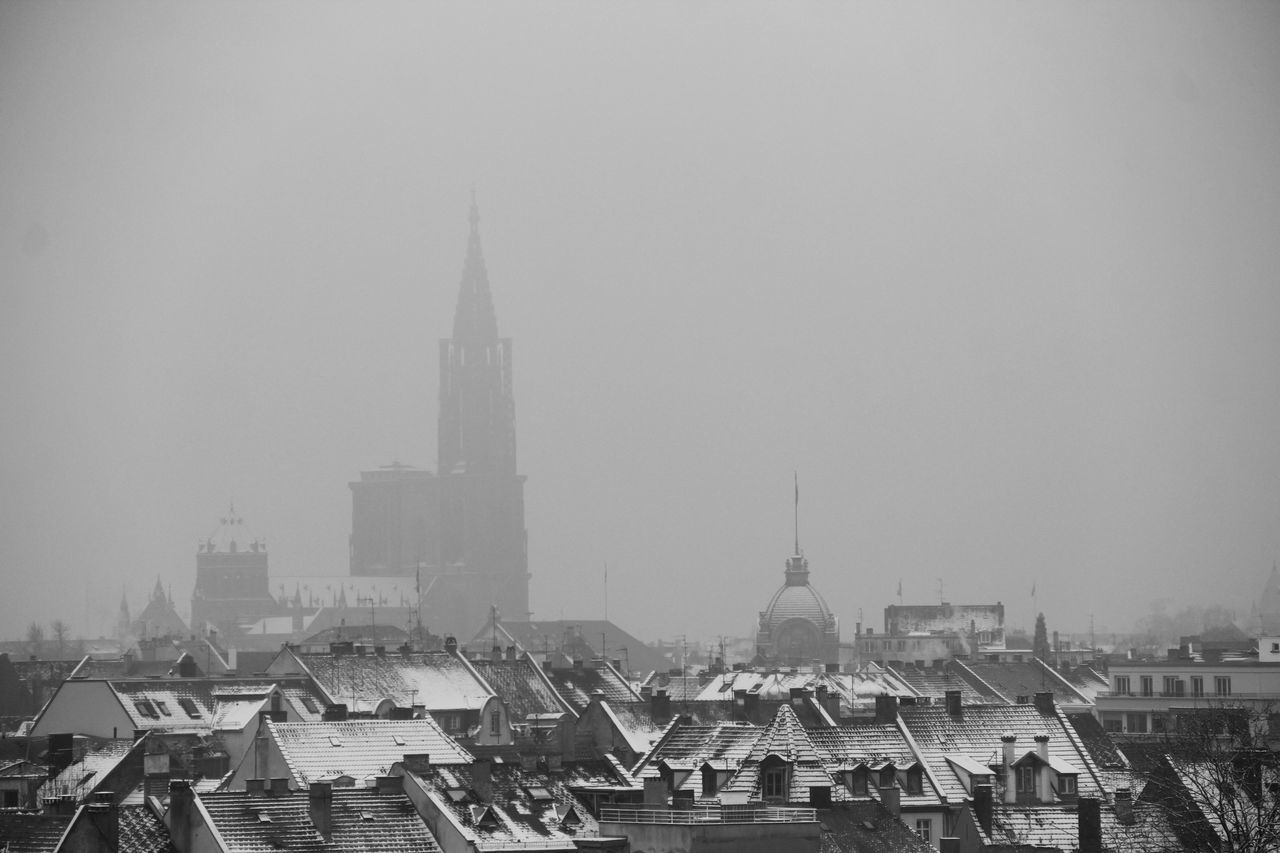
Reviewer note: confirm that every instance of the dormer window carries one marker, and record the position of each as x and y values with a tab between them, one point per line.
887	776
708	781
1026	779
915	781
773	778
858	782
1066	784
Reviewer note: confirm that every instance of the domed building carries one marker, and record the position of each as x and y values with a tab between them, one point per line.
797	628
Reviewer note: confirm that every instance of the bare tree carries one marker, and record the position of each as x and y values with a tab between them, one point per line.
1219	779
61	632
35	637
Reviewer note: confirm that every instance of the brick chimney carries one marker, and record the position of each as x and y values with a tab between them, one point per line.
1042	751
104	815
1089	820
1124	806
1044	703
1009	741
660	705
511	652
891	799
181	812
955	707
886	709
451	645
320	806
482	779
983	806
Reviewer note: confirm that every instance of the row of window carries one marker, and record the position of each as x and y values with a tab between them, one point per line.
1173	685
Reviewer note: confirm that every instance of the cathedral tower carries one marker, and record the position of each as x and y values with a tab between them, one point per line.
459	530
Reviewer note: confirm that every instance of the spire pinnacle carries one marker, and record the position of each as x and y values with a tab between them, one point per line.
474	319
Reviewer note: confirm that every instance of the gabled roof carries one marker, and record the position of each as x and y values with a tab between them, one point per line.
867	827
689	746
1012	679
440	681
1058	827
535	636
142	831
523	686
976	734
24	832
785	739
936	682
81	776
363	821
208	704
523	807
575	686
362	749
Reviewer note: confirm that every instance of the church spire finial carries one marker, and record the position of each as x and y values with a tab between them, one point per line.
474	319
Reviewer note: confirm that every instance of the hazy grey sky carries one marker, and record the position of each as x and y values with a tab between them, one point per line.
1000	280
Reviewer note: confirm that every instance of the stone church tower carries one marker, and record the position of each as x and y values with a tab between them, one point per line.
460	530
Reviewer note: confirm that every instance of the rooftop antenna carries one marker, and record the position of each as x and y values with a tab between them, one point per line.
942	599
606	590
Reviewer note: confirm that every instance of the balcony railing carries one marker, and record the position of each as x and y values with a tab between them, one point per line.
724	814
1207	696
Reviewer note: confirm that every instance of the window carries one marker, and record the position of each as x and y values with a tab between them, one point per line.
190	707
1197	685
164	709
10	799
1112	724
1136	723
1122	684
1026	779
1222	685
775	782
915	781
310	705
1172	685
1148	687
858	784
1067	785
1275	648
495	722
708	781
923	828
146	709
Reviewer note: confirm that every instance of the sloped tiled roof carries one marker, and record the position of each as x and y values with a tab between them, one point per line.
437	680
100	757
142	831
24	832
163	703
362	749
785	738
688	746
1101	747
873	744
866	827
680	688
936	682
364	821
527	808
1059	827
575	686
977	734
521	685
1013	679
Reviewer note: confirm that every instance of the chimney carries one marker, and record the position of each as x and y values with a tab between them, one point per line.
482	779
280	786
187	667
1044	703
886	709
983	806
820	796
511	652
61	749
417	763
660	705
797	695
655	792
577	665
181	811
251	786
1009	740
949	844
1124	806
334	713
1043	791
1089	825
955	707
320	802
389	784
891	799
104	815
496	654
380	651
451	645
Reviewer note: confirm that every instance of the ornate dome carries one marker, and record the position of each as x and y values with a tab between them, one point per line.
796	599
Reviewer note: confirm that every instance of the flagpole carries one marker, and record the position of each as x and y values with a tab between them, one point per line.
796	475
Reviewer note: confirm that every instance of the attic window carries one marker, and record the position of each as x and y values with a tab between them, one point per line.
190	707
263	816
366	816
146	709
915	781
334	740
538	794
1067	785
164	709
399	741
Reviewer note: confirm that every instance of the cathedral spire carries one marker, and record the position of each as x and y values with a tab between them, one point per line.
474	318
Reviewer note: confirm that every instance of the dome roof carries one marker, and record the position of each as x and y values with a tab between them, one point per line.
796	601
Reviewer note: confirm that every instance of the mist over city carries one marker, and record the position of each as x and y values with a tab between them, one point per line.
990	287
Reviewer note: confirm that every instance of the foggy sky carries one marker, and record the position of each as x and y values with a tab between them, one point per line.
999	280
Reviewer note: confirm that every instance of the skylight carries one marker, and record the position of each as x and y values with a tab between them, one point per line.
334	740
190	707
